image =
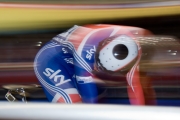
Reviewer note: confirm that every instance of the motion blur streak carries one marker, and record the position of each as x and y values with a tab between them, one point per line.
39	17
24	65
86	112
63	6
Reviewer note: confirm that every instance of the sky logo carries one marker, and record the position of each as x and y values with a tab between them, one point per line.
90	53
55	76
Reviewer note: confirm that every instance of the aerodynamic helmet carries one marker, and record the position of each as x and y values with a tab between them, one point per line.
116	54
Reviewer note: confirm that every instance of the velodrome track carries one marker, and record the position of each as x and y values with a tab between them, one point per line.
37	16
45	111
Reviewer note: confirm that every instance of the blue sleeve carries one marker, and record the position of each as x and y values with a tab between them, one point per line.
83	72
85	83
84	77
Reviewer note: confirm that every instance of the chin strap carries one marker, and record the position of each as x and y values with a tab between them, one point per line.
135	90
132	74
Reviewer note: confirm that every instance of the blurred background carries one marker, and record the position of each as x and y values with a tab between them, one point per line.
25	26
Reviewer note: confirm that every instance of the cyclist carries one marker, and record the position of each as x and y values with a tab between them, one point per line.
71	65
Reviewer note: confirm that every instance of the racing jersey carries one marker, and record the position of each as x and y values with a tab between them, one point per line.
64	65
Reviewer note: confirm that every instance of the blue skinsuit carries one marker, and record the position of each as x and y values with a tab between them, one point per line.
58	67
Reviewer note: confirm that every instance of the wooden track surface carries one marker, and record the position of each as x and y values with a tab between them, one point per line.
80	1
30	18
